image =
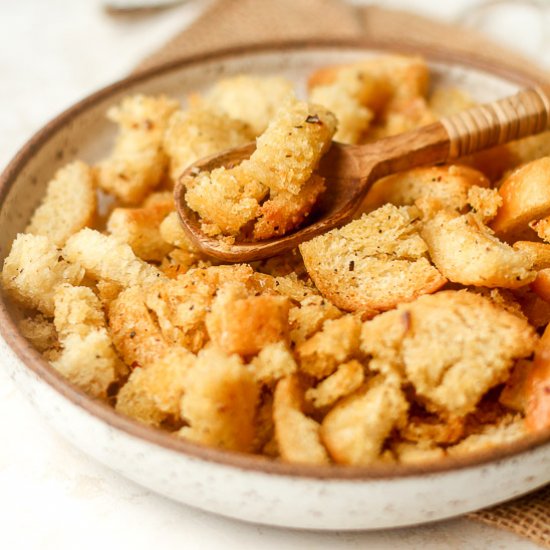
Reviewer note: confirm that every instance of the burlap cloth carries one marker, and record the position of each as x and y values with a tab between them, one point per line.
234	22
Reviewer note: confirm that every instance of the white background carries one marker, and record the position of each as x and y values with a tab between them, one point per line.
52	53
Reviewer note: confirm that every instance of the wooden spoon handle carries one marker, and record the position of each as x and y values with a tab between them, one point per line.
508	119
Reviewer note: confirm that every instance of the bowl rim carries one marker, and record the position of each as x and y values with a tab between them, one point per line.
33	360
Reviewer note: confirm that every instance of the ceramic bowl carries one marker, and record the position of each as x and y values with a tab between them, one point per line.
240	486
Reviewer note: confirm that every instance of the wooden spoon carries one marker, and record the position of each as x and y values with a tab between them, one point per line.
350	170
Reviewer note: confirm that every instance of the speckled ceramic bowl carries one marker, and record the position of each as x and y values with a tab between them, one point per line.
236	485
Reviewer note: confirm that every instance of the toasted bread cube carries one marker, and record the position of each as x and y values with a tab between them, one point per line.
373	263
449	185
140	228
509	429
152	395
245	324
347	378
298	436
335	344
484	202
33	271
40	332
452	346
355	430
537	387
172	232
104	257
448	101
395	75
220	402
88	358
252	99
285	211
273	363
200	132
466	251
68	206
541	284
526	197
138	162
289	150
540	252
309	317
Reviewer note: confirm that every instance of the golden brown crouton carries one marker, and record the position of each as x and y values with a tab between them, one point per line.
200	132
355	429
506	431
104	257
33	271
309	317
526	197
40	332
285	211
152	395
484	202
137	163
335	344
244	324
347	378
68	206
88	358
273	363
540	252
373	263
135	332
541	284
449	185
252	99
219	402
466	251
452	346
297	435
537	387
139	228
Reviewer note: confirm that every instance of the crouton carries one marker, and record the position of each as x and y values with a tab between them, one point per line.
347	378
452	346
33	271
298	436
484	202
537	387
417	453
273	363
40	332
309	317
244	324
104	257
172	232
68	206
152	395
219	402
373	263
526	197
320	355
139	228
541	284
355	430
466	251
252	99
285	211
134	329
540	253
514	394
200	132
395	75
449	185
509	429
88	358
138	163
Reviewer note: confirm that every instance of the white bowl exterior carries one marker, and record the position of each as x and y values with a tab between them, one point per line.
252	495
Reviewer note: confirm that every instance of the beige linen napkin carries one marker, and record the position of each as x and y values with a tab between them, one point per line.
235	22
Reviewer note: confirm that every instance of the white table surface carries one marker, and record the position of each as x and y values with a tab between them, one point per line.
52	53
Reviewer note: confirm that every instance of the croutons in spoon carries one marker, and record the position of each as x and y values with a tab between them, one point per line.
350	170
